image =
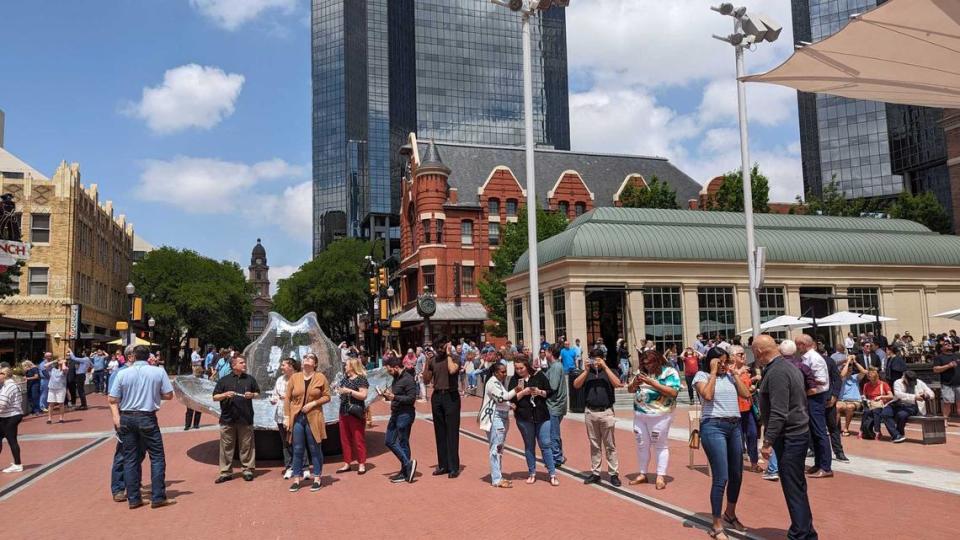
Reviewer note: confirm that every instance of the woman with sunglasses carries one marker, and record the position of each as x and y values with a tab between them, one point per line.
720	436
656	387
307	392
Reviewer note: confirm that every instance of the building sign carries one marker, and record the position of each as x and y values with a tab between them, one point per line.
73	328
12	250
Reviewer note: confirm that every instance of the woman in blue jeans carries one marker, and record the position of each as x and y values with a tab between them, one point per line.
494	418
720	436
533	417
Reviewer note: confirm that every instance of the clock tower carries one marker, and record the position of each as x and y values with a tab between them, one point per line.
260	279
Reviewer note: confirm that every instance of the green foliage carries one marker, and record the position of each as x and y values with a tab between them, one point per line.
184	290
513	243
923	208
657	194
10	280
729	198
832	202
333	285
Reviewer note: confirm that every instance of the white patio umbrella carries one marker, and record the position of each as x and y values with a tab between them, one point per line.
846	318
952	314
783	322
903	51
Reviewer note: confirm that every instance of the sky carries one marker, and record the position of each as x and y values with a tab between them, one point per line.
193	116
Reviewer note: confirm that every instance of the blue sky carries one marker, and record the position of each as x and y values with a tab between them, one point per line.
193	116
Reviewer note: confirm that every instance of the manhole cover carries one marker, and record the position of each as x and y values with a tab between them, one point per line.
899	471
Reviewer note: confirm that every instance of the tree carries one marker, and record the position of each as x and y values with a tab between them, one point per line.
514	242
923	208
656	194
183	290
10	279
832	202
729	198
333	285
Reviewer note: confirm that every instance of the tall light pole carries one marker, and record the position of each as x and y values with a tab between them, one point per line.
130	292
526	8
747	31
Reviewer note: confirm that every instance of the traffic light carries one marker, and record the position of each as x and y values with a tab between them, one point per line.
373	286
384	312
383	276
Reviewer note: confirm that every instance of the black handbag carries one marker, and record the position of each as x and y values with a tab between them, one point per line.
355	409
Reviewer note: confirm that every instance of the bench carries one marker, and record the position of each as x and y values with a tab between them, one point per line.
934	428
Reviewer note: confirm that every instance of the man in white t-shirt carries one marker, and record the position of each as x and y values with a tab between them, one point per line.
817	408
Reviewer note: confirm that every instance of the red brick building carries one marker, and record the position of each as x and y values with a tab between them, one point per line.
455	201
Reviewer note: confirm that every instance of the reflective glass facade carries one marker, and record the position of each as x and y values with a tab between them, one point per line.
842	140
446	69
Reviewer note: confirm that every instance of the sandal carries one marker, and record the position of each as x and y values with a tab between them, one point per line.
531	479
554	482
719	534
503	484
733	522
641	479
661	483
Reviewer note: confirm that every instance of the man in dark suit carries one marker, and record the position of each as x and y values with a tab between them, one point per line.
869	357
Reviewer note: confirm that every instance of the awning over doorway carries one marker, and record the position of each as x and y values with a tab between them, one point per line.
448	311
903	51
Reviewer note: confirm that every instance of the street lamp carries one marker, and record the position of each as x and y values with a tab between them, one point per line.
526	8
151	323
747	31
130	291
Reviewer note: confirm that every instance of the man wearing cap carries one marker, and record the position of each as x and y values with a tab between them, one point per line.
134	401
599	381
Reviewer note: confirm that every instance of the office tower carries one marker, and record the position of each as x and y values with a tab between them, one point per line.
448	70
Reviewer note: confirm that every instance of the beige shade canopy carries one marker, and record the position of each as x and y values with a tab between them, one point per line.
904	51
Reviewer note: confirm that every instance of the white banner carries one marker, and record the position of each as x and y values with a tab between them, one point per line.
11	252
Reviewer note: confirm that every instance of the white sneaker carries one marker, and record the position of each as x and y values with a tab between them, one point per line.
13	468
288	474
306	475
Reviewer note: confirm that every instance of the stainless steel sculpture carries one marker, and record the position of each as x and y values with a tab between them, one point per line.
280	339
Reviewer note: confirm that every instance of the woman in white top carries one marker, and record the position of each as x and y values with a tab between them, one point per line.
494	418
287	368
909	394
11	413
57	388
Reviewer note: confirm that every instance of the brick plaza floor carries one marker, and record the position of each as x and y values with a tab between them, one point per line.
887	491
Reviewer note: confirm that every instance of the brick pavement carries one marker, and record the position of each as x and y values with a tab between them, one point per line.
434	507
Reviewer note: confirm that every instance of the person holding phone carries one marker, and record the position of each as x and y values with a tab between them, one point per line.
288	366
401	395
655	390
533	416
720	436
599	382
442	370
234	392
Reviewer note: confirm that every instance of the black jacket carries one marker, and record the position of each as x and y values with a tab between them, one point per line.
529	408
834	373
783	401
405	391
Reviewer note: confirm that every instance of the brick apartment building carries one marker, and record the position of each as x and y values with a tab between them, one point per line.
456	200
81	255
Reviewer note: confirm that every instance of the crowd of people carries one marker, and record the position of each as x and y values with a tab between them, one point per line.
771	402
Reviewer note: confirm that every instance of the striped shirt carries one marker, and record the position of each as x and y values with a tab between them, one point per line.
724	403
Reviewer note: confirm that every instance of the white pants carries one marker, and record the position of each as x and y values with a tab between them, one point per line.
653	430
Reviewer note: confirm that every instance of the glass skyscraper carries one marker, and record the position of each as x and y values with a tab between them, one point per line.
449	70
842	140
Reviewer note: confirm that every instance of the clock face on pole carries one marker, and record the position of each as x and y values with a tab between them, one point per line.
427	306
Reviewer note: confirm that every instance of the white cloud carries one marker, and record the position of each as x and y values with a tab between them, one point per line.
191	96
635	54
292	209
280	272
209	186
232	14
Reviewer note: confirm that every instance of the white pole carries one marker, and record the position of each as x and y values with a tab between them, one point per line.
531	186
747	187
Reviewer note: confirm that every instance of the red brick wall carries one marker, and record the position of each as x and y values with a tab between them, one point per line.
572	190
632	180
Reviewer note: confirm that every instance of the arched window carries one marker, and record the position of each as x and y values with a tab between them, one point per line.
511	207
259	322
426	231
564	208
493	207
579	208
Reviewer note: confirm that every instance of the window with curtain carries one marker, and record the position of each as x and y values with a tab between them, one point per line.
493	233
466	232
38	280
40	228
466	280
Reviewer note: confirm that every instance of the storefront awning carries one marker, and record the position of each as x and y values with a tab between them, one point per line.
448	311
903	51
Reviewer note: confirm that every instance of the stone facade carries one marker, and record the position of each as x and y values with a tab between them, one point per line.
259	277
80	254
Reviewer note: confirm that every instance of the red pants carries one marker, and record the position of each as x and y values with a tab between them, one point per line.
352	438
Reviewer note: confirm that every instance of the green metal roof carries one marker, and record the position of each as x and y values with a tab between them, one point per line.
652	234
